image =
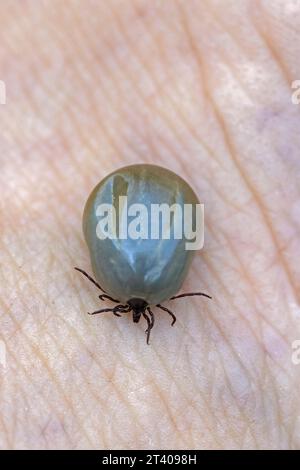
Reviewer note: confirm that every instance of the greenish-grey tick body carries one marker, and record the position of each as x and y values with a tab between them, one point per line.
138	272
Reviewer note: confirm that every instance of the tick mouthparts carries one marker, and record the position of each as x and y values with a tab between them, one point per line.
136	316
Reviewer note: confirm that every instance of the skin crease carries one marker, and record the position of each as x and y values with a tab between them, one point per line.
205	91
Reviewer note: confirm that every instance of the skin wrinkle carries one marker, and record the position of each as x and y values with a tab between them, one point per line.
44	429
9	433
116	87
188	126
188	401
140	95
225	58
47	406
159	89
264	215
172	417
72	115
98	363
178	387
58	190
267	398
186	396
67	150
239	209
238	407
250	330
242	413
11	446
78	371
238	44
226	415
156	152
84	141
247	277
55	381
134	411
29	282
180	413
169	412
294	238
231	150
278	410
197	59
293	438
35	79
289	26
37	351
137	56
135	420
260	342
226	375
118	150
18	291
276	59
6	431
84	376
249	185
235	354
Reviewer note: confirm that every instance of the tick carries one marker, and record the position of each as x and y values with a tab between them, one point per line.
137	260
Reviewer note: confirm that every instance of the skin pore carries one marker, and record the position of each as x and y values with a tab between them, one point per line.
205	91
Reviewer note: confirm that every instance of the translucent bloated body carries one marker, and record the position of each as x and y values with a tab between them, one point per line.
149	269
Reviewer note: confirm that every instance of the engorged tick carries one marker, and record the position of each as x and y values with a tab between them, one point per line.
137	273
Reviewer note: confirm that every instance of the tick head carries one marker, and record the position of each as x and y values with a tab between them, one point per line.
138	307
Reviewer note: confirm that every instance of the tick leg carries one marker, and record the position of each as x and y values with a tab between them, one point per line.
150	326
151	317
105	296
169	312
190	294
90	279
118	308
103	310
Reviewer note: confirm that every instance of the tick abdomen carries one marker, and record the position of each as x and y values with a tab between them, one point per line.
153	269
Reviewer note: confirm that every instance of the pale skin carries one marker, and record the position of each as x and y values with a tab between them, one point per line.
203	88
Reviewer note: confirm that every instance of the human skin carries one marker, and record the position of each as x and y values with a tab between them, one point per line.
202	88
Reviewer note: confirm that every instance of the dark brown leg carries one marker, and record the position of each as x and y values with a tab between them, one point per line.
90	279
169	312
151	317
119	308
148	330
190	294
105	296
